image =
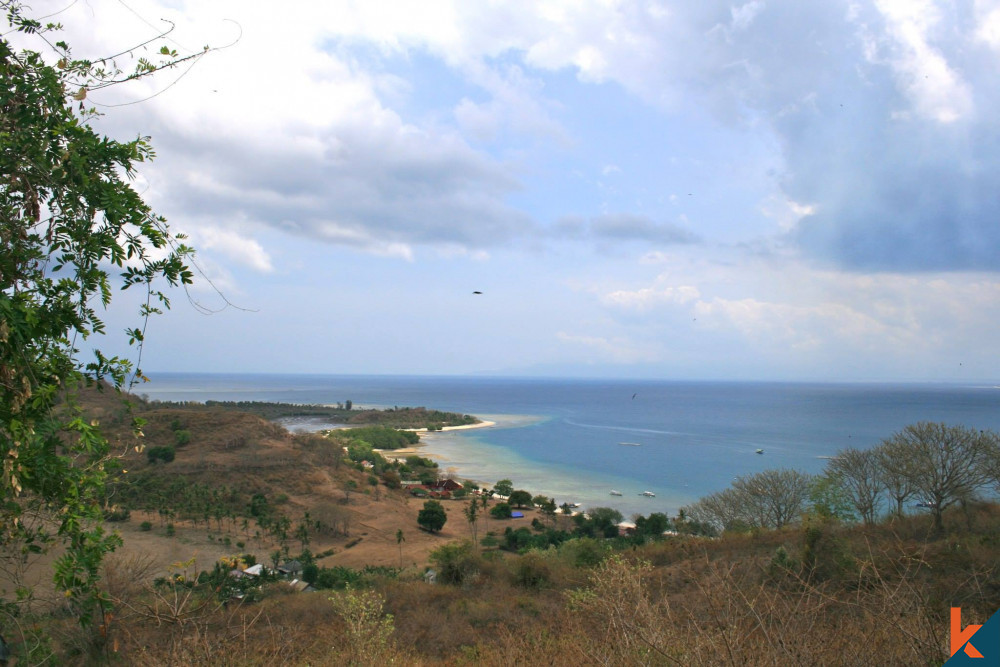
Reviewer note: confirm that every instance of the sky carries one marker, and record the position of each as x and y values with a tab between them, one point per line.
763	190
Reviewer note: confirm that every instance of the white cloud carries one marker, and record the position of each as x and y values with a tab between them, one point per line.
937	90
650	297
242	250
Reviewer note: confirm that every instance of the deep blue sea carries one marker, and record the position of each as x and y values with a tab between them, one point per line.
562	437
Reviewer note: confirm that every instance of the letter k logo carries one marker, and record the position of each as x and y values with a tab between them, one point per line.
960	637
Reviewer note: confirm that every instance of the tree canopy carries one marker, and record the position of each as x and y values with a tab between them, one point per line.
432	517
73	230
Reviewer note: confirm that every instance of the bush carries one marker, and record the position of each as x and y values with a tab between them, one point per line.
500	511
531	571
164	453
171	531
182	437
145	526
456	563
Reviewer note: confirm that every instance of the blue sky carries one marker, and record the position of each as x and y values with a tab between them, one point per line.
739	190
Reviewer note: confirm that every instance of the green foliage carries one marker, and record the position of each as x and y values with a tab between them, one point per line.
504	488
520	498
69	218
432	517
531	571
163	453
182	437
652	526
146	526
380	437
456	563
829	500
500	511
369	629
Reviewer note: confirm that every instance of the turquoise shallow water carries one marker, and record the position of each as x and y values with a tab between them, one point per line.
561	437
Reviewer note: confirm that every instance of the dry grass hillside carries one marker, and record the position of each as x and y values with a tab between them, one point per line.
817	593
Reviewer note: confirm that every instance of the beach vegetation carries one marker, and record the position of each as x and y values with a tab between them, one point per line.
379	437
519	498
503	488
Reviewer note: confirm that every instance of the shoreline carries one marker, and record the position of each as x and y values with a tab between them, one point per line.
429	435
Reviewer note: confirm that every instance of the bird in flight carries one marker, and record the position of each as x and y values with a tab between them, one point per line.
477	292
633	396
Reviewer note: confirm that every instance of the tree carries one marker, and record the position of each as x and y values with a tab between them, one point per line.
432	517
519	498
944	464
500	511
399	542
769	499
472	515
859	474
68	219
503	488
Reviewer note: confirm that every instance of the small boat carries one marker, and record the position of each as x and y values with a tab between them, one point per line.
760	451
615	492
648	494
574	505
631	444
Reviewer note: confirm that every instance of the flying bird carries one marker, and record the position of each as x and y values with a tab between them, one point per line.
477	292
633	396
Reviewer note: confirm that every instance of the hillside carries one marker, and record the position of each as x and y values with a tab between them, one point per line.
540	590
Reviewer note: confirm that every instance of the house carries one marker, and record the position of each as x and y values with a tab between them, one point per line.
290	568
444	485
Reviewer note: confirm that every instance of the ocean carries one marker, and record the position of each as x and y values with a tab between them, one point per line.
563	438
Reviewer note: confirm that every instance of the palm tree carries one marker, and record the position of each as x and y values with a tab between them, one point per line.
399	542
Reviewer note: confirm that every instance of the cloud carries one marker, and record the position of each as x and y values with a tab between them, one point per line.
622	227
234	246
650	297
881	112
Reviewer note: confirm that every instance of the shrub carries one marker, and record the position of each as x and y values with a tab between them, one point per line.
182	437
531	571
164	453
145	526
456	563
500	511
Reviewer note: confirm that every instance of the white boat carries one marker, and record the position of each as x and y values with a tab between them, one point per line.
648	494
615	492
631	444
760	451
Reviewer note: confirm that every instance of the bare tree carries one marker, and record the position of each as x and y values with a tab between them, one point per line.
775	497
944	464
859	473
893	476
769	499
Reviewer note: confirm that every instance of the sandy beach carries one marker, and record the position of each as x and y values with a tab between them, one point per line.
427	436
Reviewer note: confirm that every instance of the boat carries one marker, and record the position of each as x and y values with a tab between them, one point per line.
648	494
631	444
574	505
615	492
760	451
